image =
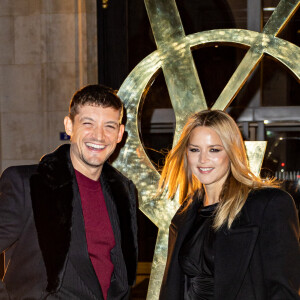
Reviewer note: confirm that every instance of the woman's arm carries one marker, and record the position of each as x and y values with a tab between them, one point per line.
280	248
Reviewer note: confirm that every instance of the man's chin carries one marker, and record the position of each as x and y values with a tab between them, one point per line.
93	163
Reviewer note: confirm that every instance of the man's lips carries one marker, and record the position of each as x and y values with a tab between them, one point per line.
95	146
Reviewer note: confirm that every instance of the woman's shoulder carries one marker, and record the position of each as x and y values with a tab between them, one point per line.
186	210
268	194
271	198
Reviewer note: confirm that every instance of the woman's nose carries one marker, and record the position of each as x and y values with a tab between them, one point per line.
203	157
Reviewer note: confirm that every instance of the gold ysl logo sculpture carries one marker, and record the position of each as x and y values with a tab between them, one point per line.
174	57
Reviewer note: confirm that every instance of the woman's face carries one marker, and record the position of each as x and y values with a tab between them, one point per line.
207	158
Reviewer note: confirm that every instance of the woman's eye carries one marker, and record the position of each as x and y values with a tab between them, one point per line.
215	150
193	150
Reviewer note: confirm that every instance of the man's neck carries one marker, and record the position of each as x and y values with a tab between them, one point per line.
88	171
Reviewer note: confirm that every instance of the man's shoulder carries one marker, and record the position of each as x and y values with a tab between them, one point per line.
21	170
51	163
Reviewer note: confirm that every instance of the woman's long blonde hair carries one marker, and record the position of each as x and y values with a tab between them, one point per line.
240	181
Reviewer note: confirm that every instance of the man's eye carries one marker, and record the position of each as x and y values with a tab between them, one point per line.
111	127
87	123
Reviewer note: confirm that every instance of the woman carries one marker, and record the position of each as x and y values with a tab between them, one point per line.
235	236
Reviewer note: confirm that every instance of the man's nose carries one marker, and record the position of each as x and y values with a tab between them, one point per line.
99	133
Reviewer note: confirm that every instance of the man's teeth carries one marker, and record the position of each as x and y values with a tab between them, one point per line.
205	169
95	146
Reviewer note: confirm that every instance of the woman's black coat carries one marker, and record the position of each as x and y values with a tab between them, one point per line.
258	258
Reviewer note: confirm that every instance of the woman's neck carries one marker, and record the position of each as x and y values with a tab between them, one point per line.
211	196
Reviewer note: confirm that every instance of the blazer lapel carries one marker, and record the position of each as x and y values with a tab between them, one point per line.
79	256
179	228
234	249
52	196
59	220
118	207
183	221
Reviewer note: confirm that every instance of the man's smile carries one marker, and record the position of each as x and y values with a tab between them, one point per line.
93	146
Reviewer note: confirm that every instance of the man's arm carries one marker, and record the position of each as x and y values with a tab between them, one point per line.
11	212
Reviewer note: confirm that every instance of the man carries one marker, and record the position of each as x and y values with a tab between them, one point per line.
68	225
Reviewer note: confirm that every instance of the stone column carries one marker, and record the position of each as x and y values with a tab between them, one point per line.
48	50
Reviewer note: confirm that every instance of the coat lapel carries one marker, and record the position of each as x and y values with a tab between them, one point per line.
79	256
234	249
59	220
119	281
183	221
180	226
52	195
119	197
58	217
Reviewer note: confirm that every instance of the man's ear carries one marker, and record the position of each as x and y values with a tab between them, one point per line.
121	132
68	125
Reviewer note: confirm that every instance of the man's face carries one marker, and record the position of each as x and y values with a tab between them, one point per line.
94	134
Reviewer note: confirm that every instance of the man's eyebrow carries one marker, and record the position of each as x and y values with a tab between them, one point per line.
86	118
112	122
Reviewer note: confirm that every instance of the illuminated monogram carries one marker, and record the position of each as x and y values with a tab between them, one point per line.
174	57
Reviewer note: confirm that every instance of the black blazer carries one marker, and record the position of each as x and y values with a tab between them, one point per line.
257	259
42	232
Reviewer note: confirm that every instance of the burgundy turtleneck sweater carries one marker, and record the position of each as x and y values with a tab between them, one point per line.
99	234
